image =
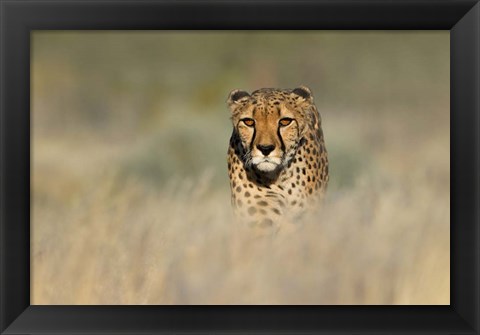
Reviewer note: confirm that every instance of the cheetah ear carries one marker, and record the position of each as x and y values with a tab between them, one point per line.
303	92
237	96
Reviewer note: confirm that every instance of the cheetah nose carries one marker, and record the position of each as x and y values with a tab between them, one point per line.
265	149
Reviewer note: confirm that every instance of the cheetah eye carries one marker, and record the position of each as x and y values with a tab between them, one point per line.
248	122
285	121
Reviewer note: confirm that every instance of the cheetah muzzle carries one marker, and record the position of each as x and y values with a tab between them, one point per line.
277	161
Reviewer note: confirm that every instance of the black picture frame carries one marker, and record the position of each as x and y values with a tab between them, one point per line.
19	17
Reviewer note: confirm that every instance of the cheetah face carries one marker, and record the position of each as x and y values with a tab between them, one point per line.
266	138
269	124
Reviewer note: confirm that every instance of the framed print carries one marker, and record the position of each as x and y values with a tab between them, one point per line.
229	166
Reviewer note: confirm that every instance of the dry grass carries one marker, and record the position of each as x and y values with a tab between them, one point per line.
102	238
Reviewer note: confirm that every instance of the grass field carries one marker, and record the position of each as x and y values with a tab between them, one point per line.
130	198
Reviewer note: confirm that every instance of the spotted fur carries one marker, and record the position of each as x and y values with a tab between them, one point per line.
277	160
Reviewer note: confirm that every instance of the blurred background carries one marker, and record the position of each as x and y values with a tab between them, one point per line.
130	196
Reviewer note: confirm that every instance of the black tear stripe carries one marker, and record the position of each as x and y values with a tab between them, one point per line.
298	132
302	142
253	138
254	131
282	145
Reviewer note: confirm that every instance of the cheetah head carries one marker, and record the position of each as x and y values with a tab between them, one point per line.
270	125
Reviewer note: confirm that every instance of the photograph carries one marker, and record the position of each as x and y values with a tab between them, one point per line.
241	167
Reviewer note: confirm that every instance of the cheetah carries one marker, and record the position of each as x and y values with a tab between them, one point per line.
277	160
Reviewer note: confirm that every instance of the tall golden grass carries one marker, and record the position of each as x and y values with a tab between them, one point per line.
99	237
